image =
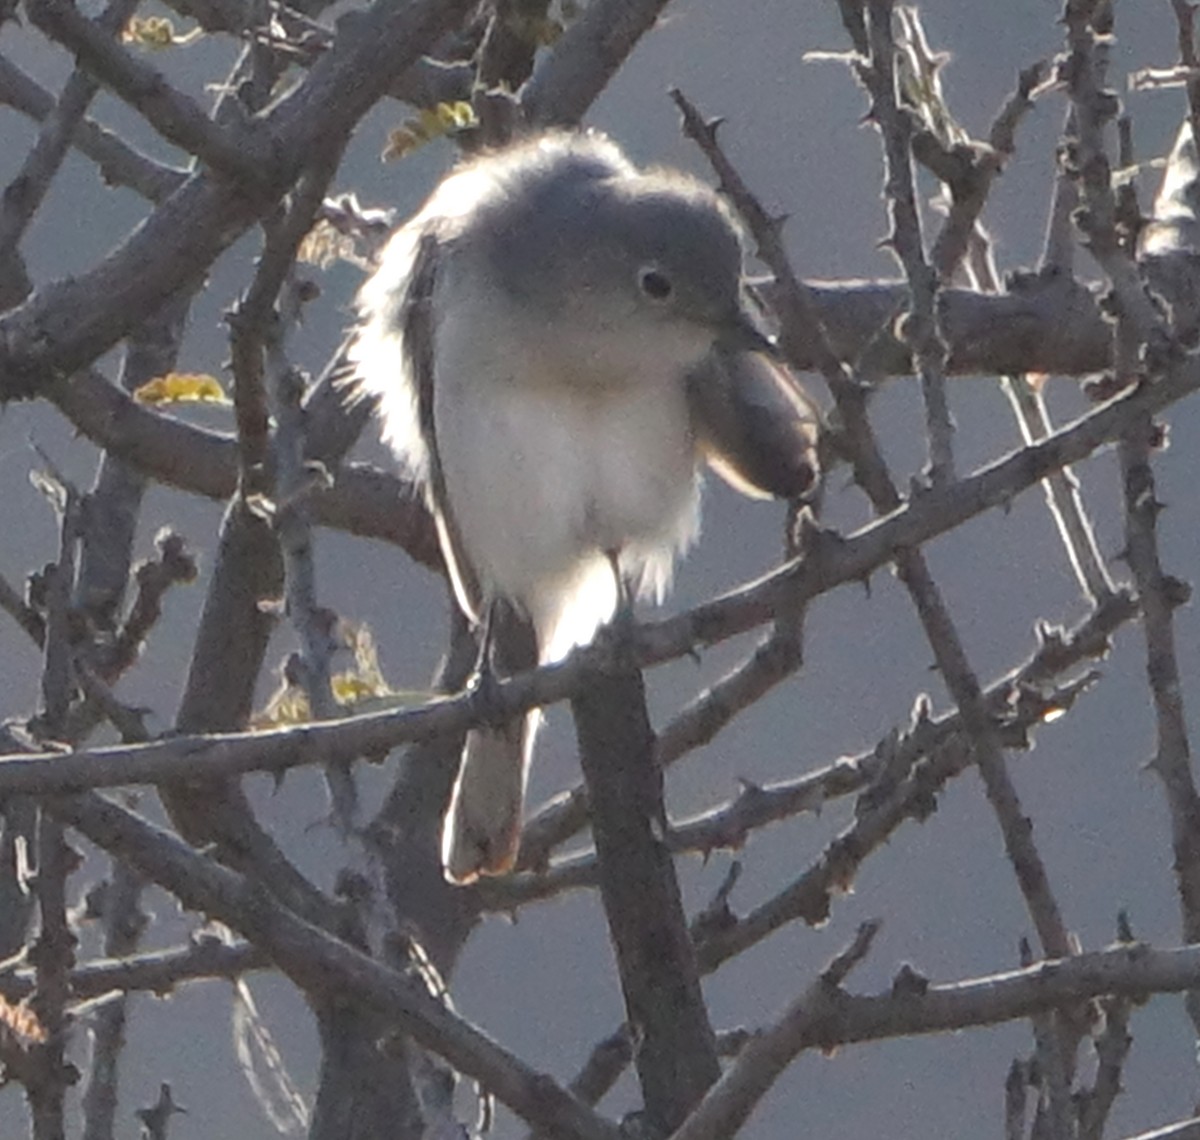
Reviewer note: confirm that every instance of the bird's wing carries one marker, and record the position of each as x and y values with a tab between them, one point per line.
391	357
755	425
417	338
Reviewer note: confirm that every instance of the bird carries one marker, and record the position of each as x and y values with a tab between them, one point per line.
557	342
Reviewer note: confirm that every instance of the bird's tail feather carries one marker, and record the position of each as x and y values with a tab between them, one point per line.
482	828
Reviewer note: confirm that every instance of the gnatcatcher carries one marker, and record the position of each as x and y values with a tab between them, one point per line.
557	341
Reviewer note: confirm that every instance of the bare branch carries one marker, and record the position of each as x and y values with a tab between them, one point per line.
920	325
830	564
363	500
317	961
1183	1130
1112	1047
242	153
1062	493
569	78
1185	20
1160	595
155	972
969	193
124	923
23	614
24	194
767	1053
677	1050
872	475
49	1075
120	164
67	324
934	751
1097	219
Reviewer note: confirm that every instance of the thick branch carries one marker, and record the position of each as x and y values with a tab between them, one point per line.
120	164
677	1054
569	78
67	324
243	153
1132	970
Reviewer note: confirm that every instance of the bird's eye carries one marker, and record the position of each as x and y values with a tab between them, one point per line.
654	283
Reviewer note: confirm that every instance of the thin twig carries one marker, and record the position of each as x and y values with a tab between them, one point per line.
968	183
173	565
23	614
1181	1130
24	194
1063	493
261	325
124	923
872	476
1097	217
243	153
767	1053
316	960
53	953
155	971
899	779
1112	1047
1025	394
119	163
919	326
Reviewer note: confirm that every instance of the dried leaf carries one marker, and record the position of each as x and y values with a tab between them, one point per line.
19	1021
323	245
156	33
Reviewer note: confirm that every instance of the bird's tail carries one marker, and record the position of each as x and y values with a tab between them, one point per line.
482	828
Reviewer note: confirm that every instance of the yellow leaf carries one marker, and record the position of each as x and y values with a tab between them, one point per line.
157	33
286	706
182	388
360	689
429	124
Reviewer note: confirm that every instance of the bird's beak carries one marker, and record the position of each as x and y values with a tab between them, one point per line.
742	333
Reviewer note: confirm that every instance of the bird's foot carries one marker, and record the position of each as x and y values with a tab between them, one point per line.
483	687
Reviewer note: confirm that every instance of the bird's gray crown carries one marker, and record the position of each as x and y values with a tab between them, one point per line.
566	220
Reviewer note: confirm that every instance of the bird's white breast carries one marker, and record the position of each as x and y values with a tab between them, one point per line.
544	474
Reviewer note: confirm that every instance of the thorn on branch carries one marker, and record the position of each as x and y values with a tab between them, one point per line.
839	968
717	914
909	982
156	1118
